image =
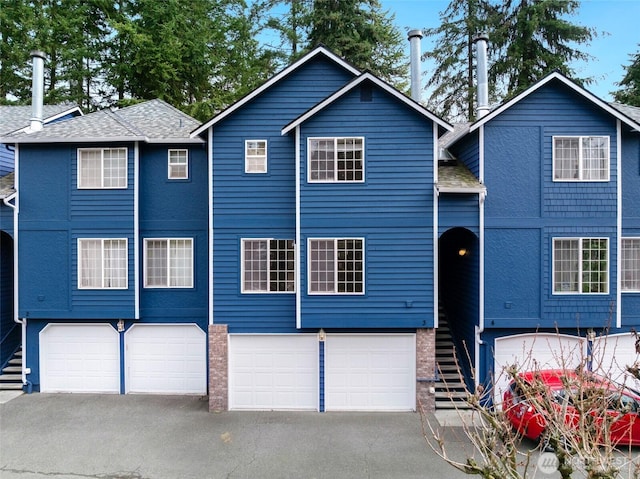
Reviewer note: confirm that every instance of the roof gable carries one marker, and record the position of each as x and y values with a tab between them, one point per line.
367	77
556	76
319	51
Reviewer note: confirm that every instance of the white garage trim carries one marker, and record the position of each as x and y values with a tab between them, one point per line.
535	351
165	359
79	358
273	371
370	372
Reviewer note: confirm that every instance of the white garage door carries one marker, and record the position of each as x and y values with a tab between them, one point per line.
273	372
370	372
534	351
612	355
79	358
165	359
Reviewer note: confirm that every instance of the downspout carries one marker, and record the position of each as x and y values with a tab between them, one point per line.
479	329
210	217
298	234
436	243
22	322
619	223
136	230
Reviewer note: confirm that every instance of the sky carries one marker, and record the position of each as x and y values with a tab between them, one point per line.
620	19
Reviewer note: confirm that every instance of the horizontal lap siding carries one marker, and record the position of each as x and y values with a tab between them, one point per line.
260	205
525	209
174	209
392	210
6	160
53	215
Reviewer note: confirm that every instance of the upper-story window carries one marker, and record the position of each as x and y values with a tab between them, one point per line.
580	265
336	266
102	263
102	168
268	266
581	158
336	159
255	156
178	166
630	267
168	263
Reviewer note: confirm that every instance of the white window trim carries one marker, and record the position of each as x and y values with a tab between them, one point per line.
247	157
335	268
169	164
168	285
268	291
335	162
580	265
580	160
79	266
102	187
621	266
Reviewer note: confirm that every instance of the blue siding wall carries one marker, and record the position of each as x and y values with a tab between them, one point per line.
260	205
458	210
467	151
525	209
392	210
6	159
174	209
54	213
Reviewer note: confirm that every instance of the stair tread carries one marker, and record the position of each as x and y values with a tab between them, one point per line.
12	369
15	361
11	377
10	386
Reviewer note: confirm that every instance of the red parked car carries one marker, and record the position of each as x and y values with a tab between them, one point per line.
619	403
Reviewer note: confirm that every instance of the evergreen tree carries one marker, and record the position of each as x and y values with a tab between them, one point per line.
291	21
629	92
362	33
16	21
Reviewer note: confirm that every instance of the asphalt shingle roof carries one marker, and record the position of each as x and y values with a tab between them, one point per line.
16	117
153	121
632	112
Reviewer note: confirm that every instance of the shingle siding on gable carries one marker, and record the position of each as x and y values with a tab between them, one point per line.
260	205
392	210
6	160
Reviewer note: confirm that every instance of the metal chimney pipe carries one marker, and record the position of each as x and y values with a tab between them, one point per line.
482	107
37	90
416	82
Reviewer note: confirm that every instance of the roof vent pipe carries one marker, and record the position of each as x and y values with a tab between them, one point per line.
483	83
416	82
37	90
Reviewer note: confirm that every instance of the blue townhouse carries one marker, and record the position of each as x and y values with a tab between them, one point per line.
112	245
15	118
542	264
322	203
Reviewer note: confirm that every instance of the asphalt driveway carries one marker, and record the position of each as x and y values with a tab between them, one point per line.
78	436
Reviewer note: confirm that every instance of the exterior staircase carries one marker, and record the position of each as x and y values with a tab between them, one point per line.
11	376
451	391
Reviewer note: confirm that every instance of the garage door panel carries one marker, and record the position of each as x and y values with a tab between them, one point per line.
273	372
166	359
370	372
612	354
79	358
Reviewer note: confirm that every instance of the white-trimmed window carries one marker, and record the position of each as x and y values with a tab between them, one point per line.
102	263
581	158
102	168
168	263
580	265
336	159
255	156
336	266
178	165
268	266
630	268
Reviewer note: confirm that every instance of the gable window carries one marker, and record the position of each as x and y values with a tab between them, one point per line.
168	263
268	266
102	263
630	268
102	168
580	265
336	159
581	158
255	156
178	165
336	266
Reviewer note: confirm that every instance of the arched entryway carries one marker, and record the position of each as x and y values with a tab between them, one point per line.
459	297
9	330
